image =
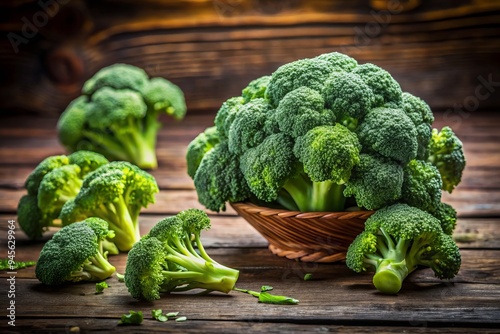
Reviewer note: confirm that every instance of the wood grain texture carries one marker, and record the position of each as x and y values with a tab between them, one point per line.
213	48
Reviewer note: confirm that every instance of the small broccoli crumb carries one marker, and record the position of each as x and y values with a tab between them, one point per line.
132	318
9	264
158	315
99	287
120	277
181	319
308	277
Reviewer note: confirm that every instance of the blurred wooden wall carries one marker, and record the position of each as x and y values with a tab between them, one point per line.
441	51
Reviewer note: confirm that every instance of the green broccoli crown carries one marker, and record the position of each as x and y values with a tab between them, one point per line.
73	254
198	147
72	122
227	114
301	110
256	89
310	73
100	227
338	61
446	153
421	185
35	178
250	127
328	153
166	260
383	85
145	264
162	95
447	215
115	192
57	187
88	161
31	219
390	133
396	240
116	109
117	76
375	182
268	166
347	94
219	179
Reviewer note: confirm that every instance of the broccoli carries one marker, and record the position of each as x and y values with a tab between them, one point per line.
323	134
396	240
447	216
52	183
421	185
115	192
203	143
75	254
446	153
166	261
117	115
375	182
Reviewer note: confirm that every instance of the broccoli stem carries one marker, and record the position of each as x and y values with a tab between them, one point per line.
119	220
327	196
110	147
202	273
139	149
299	189
98	267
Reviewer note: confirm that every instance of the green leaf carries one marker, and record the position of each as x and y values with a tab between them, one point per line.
268	298
99	287
265	288
10	264
133	318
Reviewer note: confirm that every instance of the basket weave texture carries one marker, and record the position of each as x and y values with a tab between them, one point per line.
305	236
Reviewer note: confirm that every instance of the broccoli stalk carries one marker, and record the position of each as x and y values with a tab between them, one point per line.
396	240
166	260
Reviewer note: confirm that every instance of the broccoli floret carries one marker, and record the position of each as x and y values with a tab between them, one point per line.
226	115
57	187
390	133
447	215
310	73
348	95
421	185
250	127
421	115
117	76
30	218
383	85
198	147
339	61
88	161
115	192
75	254
219	179
375	182
446	153
118	115
301	110
166	260
396	240
47	165
256	89
328	154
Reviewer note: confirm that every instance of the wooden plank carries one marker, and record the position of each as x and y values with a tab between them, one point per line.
51	325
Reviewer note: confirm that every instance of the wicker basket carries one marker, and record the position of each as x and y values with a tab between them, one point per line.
305	236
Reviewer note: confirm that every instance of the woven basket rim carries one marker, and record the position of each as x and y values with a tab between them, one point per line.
266	211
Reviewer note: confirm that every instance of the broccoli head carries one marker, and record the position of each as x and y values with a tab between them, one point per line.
446	153
198	147
226	115
396	240
75	254
47	165
171	258
117	115
256	89
383	85
115	192
421	185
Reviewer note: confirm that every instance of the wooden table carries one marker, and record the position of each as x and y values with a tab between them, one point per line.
336	299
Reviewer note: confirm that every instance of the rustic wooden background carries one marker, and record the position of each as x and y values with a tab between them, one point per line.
438	50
